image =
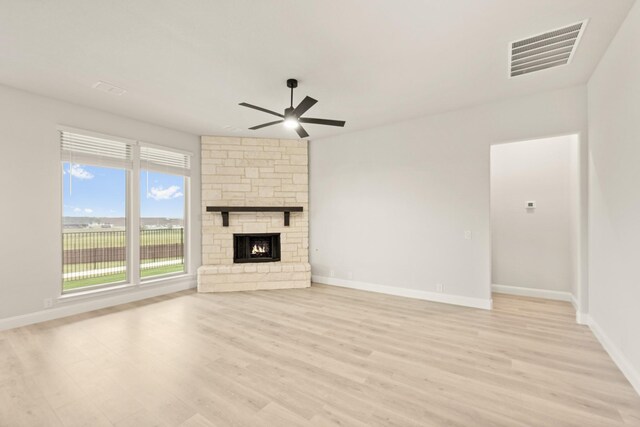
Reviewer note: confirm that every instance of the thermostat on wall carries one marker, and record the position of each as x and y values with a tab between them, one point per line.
531	204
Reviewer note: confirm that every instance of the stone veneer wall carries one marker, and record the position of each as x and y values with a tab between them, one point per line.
254	172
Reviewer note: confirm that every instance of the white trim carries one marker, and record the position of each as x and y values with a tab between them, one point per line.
70	306
93	291
532	292
107	289
486	304
625	366
582	318
133	218
186	225
575	303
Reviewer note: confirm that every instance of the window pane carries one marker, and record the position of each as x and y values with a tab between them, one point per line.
161	223
94	226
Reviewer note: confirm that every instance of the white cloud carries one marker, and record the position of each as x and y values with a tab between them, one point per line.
160	193
80	173
80	210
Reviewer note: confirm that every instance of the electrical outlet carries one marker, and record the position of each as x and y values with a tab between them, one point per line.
439	287
350	275
468	235
332	273
48	302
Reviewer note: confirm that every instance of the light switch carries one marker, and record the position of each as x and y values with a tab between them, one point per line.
531	204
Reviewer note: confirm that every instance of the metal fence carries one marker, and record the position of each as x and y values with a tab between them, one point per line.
95	254
160	248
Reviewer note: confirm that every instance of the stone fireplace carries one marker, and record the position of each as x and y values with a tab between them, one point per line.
255	228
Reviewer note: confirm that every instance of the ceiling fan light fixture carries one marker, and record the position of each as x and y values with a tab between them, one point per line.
292	117
291	123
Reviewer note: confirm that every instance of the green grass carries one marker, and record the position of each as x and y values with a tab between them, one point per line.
92	281
71	268
165	269
120	277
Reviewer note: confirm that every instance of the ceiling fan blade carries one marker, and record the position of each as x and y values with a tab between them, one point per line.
264	125
301	132
244	104
327	122
302	108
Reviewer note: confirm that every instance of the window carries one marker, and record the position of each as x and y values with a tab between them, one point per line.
94	225
162	207
112	186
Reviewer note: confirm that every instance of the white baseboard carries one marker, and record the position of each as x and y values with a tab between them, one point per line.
574	303
532	292
98	302
405	292
582	318
627	369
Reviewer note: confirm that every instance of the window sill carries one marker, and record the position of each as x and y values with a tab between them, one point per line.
93	292
166	280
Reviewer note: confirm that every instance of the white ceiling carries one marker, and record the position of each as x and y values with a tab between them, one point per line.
187	64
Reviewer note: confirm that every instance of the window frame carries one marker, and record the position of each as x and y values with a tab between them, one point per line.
132	169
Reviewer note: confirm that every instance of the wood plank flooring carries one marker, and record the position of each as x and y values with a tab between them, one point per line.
322	356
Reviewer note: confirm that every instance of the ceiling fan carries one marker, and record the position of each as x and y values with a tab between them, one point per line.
292	117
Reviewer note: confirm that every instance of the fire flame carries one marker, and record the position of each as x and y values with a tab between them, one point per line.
258	250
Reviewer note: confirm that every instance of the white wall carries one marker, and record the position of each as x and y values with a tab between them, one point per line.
533	248
614	197
389	206
578	226
30	216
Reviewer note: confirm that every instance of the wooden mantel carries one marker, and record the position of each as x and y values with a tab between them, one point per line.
224	210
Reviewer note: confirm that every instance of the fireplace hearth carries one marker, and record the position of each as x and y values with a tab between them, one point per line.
261	247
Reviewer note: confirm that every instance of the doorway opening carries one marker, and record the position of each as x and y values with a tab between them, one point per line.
537	219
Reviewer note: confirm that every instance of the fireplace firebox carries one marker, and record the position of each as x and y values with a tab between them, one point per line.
261	247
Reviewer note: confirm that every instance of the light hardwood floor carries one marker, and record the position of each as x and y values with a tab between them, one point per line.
322	356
